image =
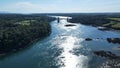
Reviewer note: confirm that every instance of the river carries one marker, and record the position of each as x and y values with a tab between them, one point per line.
64	48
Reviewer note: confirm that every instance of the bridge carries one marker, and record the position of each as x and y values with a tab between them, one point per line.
61	18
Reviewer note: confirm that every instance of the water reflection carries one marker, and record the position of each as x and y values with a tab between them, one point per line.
64	48
68	59
69	43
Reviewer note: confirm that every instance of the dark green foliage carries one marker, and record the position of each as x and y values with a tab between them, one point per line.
96	19
91	19
15	35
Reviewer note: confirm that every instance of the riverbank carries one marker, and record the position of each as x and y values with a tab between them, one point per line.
106	20
65	44
18	31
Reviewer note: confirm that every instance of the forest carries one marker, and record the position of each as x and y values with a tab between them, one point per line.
17	31
108	20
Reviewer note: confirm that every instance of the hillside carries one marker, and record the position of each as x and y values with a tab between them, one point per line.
17	31
109	20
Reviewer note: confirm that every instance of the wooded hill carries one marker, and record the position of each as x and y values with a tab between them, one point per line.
18	30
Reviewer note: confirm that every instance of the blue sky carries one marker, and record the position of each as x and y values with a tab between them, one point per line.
59	6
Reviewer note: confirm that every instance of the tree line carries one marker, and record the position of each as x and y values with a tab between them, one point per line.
14	34
108	20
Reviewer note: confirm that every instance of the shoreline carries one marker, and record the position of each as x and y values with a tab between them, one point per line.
19	33
2	55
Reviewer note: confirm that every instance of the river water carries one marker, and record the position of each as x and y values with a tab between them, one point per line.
64	48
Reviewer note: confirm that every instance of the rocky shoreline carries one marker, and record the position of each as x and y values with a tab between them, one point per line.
113	60
110	40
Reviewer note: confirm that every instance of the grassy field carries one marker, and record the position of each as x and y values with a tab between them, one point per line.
116	19
25	22
115	23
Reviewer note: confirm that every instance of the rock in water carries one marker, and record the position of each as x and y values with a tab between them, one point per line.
88	39
70	25
113	40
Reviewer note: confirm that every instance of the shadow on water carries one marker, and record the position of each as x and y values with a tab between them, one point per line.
22	50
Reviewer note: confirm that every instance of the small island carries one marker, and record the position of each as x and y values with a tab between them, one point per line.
68	25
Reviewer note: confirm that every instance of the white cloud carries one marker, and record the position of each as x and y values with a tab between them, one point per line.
26	6
60	6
